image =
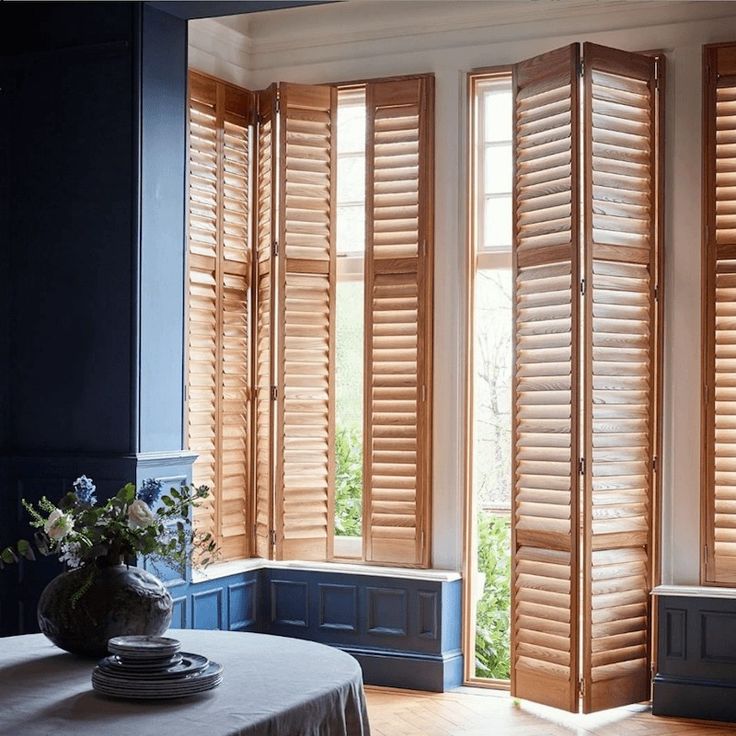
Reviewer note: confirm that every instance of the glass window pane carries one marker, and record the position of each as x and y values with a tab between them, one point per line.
498	177
351	127
497	114
497	223
350	229
351	179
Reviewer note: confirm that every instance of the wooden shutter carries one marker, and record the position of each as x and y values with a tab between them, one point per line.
266	180
398	320
219	274
306	308
620	386
545	527
719	313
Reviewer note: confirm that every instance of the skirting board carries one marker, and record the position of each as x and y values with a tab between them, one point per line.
686	698
409	671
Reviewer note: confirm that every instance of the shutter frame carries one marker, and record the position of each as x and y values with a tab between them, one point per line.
406	275
540	635
264	310
621	269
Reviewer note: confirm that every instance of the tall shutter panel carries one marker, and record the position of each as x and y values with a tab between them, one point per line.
620	272
264	334
398	320
306	308
545	527
202	348
219	295
719	329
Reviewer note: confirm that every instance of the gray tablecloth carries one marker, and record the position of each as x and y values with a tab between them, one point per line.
272	686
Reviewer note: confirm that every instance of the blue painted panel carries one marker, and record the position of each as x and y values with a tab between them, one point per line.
162	250
207	610
289	603
242	605
387	612
428	613
338	607
179	613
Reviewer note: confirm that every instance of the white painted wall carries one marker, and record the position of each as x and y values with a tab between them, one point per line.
286	46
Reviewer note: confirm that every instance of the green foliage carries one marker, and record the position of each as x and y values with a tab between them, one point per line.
348	482
492	646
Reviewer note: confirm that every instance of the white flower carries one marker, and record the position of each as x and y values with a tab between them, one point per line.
140	515
58	525
71	554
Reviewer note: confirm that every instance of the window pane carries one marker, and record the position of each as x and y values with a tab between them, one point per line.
498	168
351	178
498	114
497	223
350	228
351	121
349	409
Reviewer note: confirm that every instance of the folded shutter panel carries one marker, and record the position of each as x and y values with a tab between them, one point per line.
202	307
398	320
306	307
620	311
545	527
218	406
264	321
719	330
235	264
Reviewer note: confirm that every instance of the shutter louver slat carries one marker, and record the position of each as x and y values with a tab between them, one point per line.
720	327
619	390
398	320
544	446
305	405
218	364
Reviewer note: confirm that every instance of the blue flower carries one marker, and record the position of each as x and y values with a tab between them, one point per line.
150	490
85	490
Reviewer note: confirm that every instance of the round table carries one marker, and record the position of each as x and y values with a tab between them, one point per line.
272	686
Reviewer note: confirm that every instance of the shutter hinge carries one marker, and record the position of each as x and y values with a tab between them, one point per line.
581	67
274	393
656	292
581	687
275	248
423	247
424	392
277	104
582	287
273	537
581	466
654	463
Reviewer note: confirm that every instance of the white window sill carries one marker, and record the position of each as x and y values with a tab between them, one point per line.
695	591
233	567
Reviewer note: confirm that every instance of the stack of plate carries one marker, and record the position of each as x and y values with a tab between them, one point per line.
153	668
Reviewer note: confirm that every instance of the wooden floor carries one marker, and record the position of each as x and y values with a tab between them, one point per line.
477	712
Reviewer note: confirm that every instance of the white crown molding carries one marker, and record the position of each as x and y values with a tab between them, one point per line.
213	37
303	28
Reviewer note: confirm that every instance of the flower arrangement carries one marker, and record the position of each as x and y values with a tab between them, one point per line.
83	533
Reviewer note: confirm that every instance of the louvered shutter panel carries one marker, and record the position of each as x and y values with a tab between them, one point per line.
202	349
719	330
545	527
219	295
266	180
306	308
620	333
398	320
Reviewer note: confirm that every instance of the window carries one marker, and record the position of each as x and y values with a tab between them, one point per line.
490	379
585	324
338	361
719	289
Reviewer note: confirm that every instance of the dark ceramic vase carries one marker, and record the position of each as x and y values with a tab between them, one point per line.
119	600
